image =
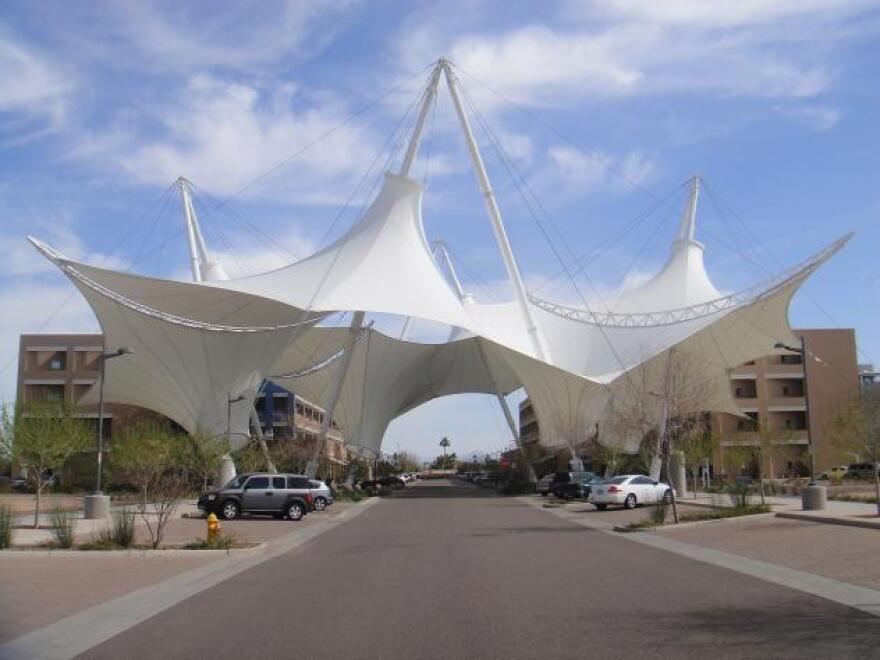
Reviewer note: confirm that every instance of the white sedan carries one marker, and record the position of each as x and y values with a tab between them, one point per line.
630	490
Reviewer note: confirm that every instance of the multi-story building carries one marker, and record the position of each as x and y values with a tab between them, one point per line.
62	368
285	417
771	395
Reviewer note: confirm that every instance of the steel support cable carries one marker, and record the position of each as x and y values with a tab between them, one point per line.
552	129
161	202
500	151
721	204
348	120
580	263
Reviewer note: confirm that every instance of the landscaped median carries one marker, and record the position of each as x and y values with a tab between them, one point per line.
659	516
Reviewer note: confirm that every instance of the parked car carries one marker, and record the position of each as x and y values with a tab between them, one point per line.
834	473
279	495
322	496
861	471
579	486
630	490
543	485
566	484
486	480
395	483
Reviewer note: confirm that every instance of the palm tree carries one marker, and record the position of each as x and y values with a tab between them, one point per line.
445	444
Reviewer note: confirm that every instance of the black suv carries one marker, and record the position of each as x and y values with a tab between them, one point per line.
573	485
279	495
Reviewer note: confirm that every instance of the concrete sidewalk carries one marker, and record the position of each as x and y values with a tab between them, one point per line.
40	588
855	514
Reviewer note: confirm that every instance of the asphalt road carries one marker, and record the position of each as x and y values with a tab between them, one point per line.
446	571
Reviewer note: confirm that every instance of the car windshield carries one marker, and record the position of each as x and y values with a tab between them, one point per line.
237	481
618	480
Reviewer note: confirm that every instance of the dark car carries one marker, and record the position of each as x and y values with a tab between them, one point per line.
279	495
373	486
573	485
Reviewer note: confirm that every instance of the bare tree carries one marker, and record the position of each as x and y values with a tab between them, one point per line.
202	455
40	438
855	429
696	444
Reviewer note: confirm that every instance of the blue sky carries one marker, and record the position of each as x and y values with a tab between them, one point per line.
604	109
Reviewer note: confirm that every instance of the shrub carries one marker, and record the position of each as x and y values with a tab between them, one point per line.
6	521
348	495
223	541
63	527
658	513
122	532
739	492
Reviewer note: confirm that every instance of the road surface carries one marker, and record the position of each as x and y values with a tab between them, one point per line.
445	570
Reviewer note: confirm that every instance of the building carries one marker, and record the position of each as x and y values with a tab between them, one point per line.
771	394
868	376
62	368
285	417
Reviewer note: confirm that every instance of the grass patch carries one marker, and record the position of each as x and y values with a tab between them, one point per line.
223	541
118	537
731	512
657	516
348	495
854	497
63	527
6	520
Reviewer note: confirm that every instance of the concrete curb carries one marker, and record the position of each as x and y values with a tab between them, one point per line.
135	552
829	520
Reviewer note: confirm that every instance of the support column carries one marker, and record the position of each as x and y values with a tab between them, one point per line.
353	330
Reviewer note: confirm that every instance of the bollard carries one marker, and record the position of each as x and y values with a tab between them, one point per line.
213	529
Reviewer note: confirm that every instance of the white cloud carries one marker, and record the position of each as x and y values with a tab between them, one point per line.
33	92
815	117
623	48
571	173
185	37
224	136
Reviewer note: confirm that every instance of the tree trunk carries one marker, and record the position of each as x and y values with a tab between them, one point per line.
877	487
37	507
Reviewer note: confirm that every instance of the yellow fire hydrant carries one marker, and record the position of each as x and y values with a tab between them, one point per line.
213	528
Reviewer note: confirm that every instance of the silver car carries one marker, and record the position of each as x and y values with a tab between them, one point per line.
262	493
322	496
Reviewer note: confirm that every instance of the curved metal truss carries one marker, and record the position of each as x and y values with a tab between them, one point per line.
174	319
327	361
683	314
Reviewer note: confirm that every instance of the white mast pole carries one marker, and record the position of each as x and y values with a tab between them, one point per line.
440	246
495	216
336	392
687	228
358	318
413	146
191	230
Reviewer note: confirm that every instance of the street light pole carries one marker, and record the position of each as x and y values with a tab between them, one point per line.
97	505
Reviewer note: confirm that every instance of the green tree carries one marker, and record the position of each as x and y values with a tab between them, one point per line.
150	458
202	455
854	428
40	438
696	444
445	444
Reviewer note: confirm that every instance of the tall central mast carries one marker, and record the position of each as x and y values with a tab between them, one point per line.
495	216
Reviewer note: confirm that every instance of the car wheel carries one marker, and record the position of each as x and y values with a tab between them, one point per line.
601	507
667	496
320	503
230	510
295	511
630	502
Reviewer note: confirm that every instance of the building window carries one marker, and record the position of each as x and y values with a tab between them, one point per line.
54	393
785	390
790	359
57	362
